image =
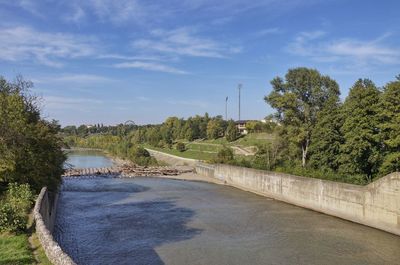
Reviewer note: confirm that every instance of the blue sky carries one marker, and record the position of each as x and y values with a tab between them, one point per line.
103	61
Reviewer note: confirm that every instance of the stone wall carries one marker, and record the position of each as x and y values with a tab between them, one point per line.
376	205
45	214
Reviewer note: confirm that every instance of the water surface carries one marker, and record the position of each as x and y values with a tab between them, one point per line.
87	159
162	221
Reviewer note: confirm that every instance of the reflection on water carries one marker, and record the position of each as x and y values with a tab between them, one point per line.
162	221
87	159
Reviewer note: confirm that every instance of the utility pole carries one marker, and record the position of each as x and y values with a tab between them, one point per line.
226	108
239	88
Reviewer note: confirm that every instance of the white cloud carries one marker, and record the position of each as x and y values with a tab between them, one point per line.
74	78
315	46
77	15
150	66
81	104
118	11
182	41
24	43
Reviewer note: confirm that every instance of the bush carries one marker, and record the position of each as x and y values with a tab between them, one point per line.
181	147
232	133
141	156
224	156
14	207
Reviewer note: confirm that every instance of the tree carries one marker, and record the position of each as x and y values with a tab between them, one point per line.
30	149
215	128
360	151
232	133
326	137
389	125
298	100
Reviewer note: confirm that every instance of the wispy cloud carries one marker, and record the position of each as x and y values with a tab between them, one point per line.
184	42
149	12
82	104
151	66
77	15
24	43
74	78
316	46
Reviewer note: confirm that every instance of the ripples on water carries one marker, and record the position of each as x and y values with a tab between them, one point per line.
87	159
161	221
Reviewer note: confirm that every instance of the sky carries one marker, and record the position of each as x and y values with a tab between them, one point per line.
104	61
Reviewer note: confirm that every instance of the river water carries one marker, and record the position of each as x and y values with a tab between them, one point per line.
163	221
87	158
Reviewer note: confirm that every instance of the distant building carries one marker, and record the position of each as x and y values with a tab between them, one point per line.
241	126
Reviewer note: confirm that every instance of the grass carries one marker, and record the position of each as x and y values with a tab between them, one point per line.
24	248
193	154
14	249
251	139
204	147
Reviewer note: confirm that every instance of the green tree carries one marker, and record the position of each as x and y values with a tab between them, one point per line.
30	149
389	125
215	128
360	151
232	133
326	137
298	100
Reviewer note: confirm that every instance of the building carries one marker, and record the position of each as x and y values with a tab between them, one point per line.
241	126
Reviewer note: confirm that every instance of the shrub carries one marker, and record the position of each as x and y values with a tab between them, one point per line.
181	147
232	132
224	156
141	156
14	207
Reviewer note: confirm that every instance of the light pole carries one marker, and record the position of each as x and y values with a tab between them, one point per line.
239	88
226	108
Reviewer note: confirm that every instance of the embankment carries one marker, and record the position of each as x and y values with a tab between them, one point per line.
172	159
376	205
45	213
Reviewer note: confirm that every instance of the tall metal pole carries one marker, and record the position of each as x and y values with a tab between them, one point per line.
239	88
226	108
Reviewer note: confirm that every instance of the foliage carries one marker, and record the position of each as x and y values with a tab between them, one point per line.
232	133
298	100
268	156
140	156
389	125
215	128
181	147
224	156
326	137
30	149
14	207
360	151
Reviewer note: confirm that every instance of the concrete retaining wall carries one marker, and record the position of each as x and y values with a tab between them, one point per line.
45	214
376	205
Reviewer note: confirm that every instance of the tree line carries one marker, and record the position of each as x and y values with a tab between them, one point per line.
360	136
30	153
316	134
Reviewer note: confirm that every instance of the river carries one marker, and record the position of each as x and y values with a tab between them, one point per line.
164	221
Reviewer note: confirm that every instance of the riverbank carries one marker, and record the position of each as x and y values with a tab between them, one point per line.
23	248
